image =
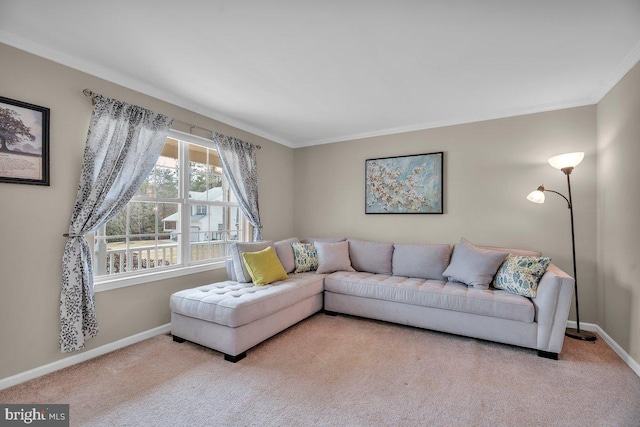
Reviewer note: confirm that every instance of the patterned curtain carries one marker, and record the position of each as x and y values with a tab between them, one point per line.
123	144
238	160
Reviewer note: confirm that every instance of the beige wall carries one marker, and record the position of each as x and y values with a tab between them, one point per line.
489	169
34	217
619	213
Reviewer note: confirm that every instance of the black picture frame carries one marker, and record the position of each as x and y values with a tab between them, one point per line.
410	184
24	143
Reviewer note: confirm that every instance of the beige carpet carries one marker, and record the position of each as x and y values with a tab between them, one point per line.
345	371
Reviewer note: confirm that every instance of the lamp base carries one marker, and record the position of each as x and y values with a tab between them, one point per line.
581	335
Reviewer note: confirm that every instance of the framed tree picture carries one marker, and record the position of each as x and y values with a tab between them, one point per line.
24	143
404	185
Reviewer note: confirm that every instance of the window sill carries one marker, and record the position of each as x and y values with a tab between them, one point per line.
109	283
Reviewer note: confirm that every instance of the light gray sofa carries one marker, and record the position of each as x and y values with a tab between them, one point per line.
398	283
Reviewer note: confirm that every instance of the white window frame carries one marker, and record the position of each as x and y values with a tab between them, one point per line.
105	283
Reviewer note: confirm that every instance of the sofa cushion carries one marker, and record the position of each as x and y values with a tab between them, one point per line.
521	274
305	256
521	252
285	253
333	257
432	293
473	265
373	257
235	304
322	239
264	266
420	260
237	249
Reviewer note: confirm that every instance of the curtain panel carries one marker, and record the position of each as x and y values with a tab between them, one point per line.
123	145
238	159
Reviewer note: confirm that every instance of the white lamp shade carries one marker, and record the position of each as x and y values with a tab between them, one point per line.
536	196
569	160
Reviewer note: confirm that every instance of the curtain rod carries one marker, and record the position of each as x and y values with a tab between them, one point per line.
91	94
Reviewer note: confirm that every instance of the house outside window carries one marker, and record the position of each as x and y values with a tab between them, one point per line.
184	214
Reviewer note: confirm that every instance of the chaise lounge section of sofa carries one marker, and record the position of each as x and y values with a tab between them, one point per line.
400	283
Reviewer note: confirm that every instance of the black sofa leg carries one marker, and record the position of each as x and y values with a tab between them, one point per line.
227	357
330	313
548	355
234	359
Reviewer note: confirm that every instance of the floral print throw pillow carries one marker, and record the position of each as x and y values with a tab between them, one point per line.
521	274
305	256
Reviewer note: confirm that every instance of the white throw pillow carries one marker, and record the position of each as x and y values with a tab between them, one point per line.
333	257
285	253
237	249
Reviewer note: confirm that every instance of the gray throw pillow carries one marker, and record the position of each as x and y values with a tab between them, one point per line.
372	257
421	261
237	249
285	253
333	257
472	265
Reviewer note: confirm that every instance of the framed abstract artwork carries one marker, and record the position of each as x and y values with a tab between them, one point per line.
24	143
404	184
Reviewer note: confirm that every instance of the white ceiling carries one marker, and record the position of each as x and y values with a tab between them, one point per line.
310	72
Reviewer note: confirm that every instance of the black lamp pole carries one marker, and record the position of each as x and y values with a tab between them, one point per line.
575	333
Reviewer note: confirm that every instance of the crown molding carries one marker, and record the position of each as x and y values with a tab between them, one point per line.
131	83
618	74
466	120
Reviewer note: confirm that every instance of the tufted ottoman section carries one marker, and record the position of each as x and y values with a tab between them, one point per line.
235	304
232	317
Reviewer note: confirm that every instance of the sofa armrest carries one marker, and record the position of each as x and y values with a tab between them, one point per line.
552	304
231	273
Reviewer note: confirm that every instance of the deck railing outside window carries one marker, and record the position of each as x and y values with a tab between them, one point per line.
149	257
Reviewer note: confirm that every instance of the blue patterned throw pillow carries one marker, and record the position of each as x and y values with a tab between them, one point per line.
521	274
306	257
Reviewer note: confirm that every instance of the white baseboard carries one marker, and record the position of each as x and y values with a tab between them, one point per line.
108	348
81	357
592	327
635	366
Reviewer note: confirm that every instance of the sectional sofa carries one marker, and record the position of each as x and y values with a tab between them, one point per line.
428	286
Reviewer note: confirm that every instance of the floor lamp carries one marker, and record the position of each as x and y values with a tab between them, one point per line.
566	163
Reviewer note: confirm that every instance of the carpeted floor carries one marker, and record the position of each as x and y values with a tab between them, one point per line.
343	371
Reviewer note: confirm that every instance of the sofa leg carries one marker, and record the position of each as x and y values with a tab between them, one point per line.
234	359
178	339
330	313
548	355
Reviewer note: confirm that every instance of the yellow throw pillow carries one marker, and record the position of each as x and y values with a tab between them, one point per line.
264	266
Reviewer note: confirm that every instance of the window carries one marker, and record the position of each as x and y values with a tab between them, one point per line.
184	214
